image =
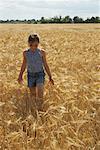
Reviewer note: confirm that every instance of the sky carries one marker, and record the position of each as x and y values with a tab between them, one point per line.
35	9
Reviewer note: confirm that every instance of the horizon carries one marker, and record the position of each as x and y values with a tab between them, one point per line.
49	18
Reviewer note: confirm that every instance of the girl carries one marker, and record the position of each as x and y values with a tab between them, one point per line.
35	60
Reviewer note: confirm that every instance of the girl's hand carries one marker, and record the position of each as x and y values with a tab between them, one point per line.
20	80
51	81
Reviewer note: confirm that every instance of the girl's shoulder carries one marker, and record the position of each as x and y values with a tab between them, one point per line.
25	52
42	51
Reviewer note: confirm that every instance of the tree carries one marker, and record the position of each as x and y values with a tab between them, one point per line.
67	19
29	21
87	20
97	20
92	20
57	19
42	20
76	19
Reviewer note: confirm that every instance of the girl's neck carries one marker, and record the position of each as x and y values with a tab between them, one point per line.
32	49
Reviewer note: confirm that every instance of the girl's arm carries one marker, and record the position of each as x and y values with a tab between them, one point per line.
23	67
46	66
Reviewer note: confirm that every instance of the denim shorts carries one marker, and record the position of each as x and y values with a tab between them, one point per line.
35	78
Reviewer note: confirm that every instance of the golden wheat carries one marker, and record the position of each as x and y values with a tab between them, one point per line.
71	116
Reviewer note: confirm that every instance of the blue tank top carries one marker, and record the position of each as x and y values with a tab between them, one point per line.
34	60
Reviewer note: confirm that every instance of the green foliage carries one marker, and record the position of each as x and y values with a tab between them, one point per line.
76	19
55	19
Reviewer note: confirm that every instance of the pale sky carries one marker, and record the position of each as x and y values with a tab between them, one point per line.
35	9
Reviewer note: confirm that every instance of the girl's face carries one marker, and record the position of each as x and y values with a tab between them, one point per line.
33	45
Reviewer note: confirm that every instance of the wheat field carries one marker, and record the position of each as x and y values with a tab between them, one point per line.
71	116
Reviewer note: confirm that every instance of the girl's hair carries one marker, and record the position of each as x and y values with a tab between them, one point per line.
33	37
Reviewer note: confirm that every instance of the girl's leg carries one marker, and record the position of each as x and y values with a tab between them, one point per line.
32	98
39	96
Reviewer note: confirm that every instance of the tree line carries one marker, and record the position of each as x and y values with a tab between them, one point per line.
56	19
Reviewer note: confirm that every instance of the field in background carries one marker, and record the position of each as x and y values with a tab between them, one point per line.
71	117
